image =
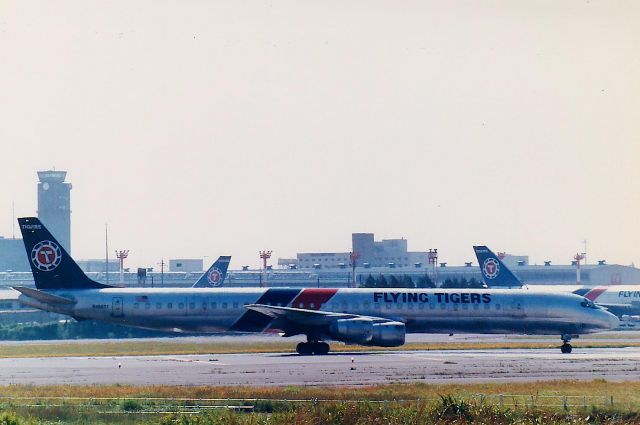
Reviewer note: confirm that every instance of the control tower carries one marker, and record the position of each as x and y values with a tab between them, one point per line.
54	205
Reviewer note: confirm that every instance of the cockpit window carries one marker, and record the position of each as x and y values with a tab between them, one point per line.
588	304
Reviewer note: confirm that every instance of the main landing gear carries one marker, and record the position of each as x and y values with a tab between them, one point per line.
565	348
317	348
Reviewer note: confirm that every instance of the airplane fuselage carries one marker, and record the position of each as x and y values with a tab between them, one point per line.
421	310
618	299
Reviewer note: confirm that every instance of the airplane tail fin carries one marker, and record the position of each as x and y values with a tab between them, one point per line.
494	272
51	265
216	274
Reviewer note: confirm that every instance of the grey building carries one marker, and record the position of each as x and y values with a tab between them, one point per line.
372	253
591	275
54	205
99	265
185	265
13	256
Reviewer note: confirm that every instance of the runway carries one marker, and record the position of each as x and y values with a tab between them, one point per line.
340	369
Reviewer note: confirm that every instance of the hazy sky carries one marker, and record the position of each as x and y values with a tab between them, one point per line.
201	128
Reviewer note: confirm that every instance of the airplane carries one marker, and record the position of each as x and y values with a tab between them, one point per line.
621	300
369	317
215	275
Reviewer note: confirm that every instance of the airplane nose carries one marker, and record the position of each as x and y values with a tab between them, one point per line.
610	321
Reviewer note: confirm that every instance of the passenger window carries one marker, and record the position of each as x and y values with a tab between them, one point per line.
432	306
465	306
421	306
192	306
136	305
366	304
410	306
204	306
180	306
388	306
158	306
355	306
312	305
497	306
235	305
476	306
147	306
214	305
224	305
169	305
442	306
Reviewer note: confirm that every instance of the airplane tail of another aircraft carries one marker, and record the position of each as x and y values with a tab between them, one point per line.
494	272
216	274
52	266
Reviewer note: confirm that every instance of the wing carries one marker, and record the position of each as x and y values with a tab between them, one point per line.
311	318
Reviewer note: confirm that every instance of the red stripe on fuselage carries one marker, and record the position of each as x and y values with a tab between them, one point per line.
594	293
312	298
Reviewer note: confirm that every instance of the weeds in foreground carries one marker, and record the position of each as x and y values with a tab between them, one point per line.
447	410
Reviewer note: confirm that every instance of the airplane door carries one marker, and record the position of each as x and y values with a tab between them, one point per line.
116	307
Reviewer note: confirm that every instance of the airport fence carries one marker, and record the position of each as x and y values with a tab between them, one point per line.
165	405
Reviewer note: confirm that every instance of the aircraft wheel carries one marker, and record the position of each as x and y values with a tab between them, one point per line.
304	349
565	348
321	349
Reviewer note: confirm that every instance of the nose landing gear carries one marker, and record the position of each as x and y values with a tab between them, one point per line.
310	348
565	348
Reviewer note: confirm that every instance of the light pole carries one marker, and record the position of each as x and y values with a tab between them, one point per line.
578	257
161	264
354	259
121	255
265	255
106	251
433	260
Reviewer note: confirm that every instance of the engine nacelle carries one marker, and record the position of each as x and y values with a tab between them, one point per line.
388	334
352	330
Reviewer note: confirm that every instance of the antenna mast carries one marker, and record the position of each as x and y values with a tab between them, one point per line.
106	247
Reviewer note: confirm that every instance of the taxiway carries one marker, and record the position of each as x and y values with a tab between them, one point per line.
284	369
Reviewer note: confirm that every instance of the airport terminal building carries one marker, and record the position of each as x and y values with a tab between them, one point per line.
591	275
388	257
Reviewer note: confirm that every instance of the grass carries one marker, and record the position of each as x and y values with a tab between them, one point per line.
140	348
448	404
624	393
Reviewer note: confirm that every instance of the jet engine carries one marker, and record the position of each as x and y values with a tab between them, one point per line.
352	330
388	334
367	332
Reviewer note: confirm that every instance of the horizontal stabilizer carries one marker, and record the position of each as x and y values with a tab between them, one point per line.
44	297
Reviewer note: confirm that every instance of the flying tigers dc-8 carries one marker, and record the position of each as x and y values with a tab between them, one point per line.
370	317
